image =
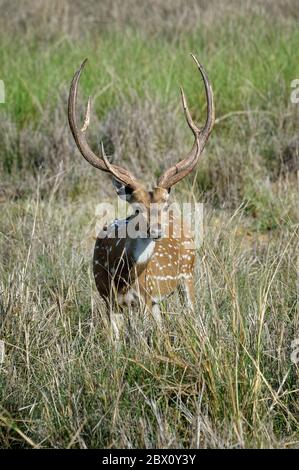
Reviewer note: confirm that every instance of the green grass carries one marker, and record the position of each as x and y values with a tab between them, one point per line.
254	75
227	380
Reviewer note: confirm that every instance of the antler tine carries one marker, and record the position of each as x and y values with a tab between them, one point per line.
209	97
177	172
100	162
79	134
188	117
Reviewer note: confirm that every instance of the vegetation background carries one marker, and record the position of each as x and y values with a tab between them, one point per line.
227	380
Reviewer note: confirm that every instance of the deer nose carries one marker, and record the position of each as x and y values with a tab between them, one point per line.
156	231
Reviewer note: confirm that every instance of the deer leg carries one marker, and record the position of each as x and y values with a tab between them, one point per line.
116	320
156	313
146	309
152	319
187	293
117	323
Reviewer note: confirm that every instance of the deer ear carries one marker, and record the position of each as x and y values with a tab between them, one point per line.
123	191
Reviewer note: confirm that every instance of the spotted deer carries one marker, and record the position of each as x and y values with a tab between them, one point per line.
146	268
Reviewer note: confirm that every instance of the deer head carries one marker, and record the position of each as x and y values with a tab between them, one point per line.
125	183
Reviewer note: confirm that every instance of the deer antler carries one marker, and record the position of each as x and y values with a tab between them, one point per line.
101	162
177	172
